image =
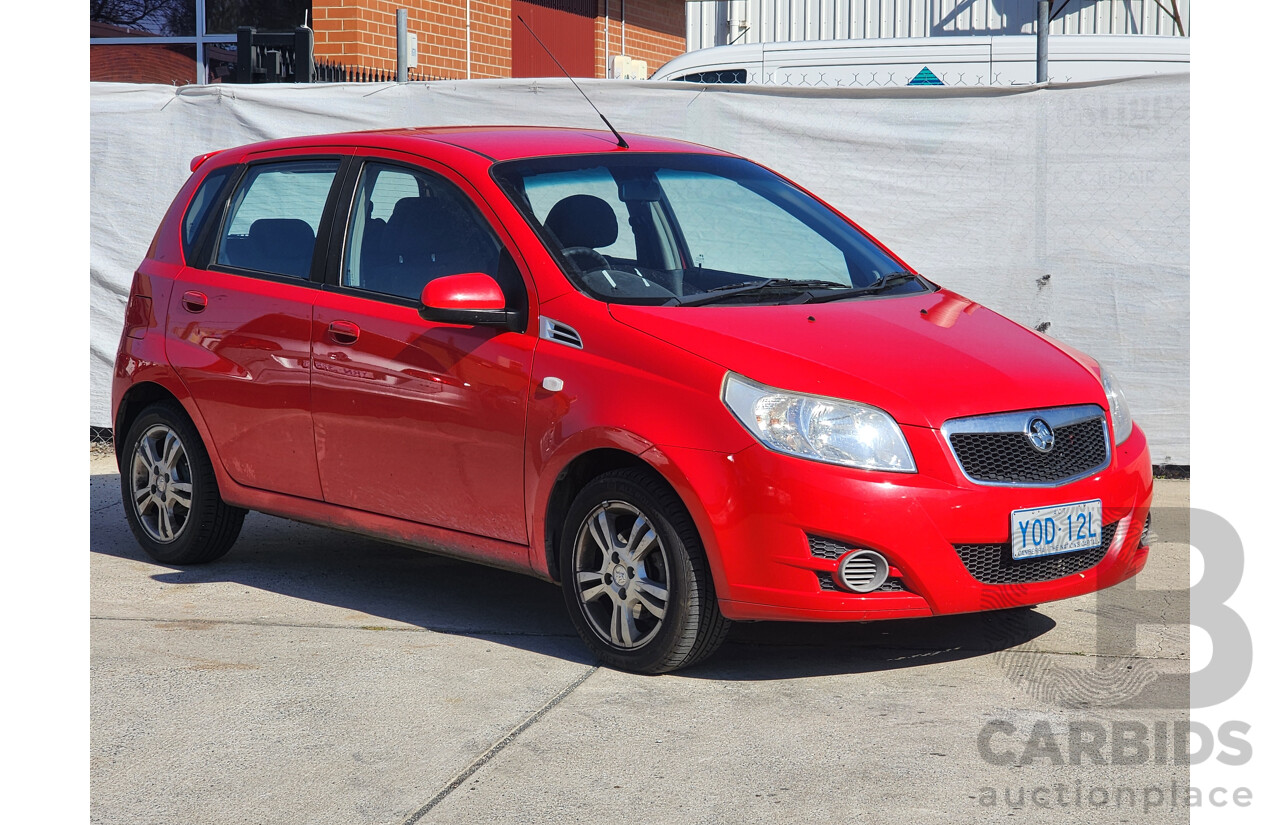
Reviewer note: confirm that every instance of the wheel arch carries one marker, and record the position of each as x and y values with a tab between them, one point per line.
569	482
142	395
136	399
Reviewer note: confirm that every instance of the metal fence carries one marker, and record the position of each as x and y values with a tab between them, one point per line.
289	57
325	72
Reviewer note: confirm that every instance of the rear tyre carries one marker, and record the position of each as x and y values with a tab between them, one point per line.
170	493
635	576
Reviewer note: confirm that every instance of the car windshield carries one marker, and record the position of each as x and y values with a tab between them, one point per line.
691	229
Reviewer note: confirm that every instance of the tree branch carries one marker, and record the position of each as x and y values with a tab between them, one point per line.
1177	17
126	12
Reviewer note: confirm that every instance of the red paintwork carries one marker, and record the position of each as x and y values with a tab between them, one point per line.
473	290
328	407
199	159
246	359
977	363
421	421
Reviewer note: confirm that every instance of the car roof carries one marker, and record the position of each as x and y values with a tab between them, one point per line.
497	143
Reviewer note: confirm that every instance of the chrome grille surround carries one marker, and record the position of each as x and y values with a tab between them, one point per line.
994	451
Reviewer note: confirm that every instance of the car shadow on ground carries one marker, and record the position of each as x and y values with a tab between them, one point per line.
405	586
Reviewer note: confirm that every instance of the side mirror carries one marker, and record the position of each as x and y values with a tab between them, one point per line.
471	299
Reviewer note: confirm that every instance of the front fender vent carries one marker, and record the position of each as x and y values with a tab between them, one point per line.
551	330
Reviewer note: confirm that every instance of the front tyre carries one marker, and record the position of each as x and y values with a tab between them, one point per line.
170	493
635	577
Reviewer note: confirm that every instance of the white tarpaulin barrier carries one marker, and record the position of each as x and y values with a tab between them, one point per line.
1066	208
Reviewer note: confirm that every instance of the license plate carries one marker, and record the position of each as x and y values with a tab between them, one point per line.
1062	528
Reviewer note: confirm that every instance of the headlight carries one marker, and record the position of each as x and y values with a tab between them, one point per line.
818	428
1121	419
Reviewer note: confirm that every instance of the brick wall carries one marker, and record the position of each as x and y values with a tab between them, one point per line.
363	33
655	31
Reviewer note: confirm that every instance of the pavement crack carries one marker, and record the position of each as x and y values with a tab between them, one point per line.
498	746
369	628
910	650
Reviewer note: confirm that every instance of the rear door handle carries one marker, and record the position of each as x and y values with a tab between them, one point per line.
194	301
343	332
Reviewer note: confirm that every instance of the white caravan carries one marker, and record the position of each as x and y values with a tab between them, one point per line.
1000	60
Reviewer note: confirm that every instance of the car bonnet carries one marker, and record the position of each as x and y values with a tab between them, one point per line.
923	358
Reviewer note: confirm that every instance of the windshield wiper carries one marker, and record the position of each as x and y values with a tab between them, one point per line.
880	284
765	287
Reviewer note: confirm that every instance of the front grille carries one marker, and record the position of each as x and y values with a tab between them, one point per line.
1009	458
827	581
994	564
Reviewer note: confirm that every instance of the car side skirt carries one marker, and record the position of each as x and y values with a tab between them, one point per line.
455	544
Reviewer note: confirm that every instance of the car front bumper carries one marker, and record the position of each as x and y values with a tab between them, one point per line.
758	511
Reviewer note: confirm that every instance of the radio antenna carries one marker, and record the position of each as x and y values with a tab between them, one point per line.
622	144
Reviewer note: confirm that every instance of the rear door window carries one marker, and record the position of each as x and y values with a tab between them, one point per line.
275	216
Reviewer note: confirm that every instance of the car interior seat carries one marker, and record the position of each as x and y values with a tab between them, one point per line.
583	224
280	245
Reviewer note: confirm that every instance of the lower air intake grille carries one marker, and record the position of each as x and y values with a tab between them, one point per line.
827	548
994	564
828	582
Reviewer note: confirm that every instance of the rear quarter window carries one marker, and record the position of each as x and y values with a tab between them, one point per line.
202	206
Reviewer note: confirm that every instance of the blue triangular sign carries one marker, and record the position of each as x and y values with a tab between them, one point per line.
926	78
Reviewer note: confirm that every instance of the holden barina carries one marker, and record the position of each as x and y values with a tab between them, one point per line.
659	374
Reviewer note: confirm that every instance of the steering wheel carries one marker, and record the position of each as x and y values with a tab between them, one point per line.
586	259
619	283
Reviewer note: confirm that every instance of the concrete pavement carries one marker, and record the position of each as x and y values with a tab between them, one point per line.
316	677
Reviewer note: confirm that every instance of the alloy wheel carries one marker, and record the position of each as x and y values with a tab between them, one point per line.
621	570
161	483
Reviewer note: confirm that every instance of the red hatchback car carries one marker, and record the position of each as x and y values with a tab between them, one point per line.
660	374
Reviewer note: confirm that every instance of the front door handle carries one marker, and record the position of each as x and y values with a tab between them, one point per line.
343	332
194	301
